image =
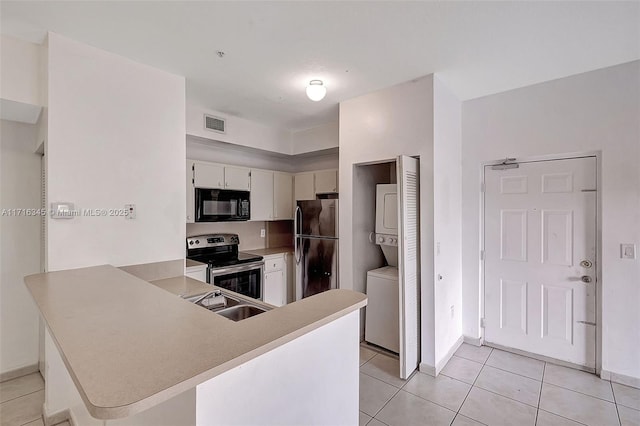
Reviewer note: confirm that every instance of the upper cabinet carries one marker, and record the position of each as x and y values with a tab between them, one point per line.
237	178
271	195
210	175
262	190
326	181
309	184
282	196
304	186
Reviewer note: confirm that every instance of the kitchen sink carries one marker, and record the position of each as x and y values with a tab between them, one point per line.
214	302
240	312
226	306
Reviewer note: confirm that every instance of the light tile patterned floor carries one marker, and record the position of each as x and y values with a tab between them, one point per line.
21	401
485	386
478	386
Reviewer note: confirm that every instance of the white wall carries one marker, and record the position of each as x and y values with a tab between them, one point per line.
116	135
312	380
380	126
21	89
447	188
599	111
20	76
227	153
20	245
315	139
239	131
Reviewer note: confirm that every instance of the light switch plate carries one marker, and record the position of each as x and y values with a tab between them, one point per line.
627	251
130	211
63	210
262	233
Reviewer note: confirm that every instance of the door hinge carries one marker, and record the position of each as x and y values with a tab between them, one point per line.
483	323
586	322
481	254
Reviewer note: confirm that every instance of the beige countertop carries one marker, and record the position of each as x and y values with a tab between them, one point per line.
270	251
191	263
130	345
183	286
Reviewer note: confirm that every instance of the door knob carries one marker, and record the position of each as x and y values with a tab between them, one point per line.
585	279
586	264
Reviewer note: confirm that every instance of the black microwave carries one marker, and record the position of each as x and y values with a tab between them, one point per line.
221	205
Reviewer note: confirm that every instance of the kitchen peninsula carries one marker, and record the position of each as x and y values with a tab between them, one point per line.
123	350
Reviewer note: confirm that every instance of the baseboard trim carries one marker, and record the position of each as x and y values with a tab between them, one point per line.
452	350
475	341
57	417
634	382
541	358
18	372
427	369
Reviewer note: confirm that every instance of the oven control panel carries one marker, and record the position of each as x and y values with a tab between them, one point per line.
212	240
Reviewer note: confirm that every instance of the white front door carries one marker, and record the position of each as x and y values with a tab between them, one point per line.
540	258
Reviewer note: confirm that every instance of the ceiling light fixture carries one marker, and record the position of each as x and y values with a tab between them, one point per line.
316	90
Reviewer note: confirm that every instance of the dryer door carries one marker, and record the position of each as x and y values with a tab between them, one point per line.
387	209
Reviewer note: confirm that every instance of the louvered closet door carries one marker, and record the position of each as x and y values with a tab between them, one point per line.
540	255
409	250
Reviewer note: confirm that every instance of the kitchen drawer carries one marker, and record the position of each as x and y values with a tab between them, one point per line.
275	263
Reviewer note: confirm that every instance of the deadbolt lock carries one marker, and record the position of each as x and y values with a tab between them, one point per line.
585	279
586	264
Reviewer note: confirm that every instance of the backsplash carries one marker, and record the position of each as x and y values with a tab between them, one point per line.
249	232
280	233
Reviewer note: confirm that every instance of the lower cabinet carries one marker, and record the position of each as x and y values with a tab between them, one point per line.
275	279
197	272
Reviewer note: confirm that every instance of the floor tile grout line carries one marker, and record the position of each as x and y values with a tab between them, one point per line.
428	400
616	404
26	394
559	415
581	393
507	397
379	379
544	369
385	404
467	396
513	372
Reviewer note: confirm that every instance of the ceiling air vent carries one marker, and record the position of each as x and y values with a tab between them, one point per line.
214	123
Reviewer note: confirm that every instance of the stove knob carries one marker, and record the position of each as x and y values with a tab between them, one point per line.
191	242
381	239
197	241
392	240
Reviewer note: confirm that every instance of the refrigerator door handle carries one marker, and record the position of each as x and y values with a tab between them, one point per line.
295	238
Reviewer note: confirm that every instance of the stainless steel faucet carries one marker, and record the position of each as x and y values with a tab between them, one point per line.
214	293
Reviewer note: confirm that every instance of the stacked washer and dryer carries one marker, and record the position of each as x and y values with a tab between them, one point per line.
382	316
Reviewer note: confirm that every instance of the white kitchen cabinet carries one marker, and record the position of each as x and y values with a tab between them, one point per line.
190	193
274	288
197	272
262	194
275	279
326	181
209	175
238	178
304	187
282	196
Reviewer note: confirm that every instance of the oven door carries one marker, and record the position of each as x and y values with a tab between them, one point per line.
246	279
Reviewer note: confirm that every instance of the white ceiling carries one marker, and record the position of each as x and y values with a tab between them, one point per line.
274	48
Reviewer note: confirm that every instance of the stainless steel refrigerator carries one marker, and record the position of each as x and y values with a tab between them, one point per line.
316	247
